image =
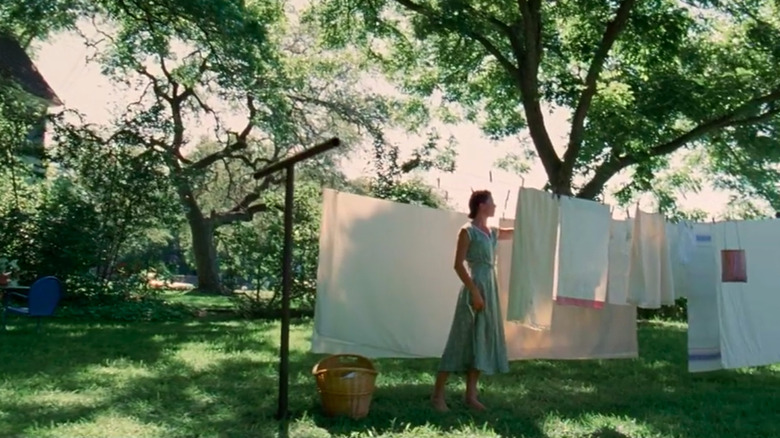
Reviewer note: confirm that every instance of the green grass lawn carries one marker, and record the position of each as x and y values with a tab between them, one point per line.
199	301
216	378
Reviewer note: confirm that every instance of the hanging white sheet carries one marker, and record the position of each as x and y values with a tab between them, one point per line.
533	274
386	288
703	277
651	281
619	258
575	332
385	282
749	323
680	238
583	253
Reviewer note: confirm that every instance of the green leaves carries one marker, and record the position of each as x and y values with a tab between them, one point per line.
675	76
32	19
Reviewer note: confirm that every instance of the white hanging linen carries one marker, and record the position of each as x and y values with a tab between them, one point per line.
583	253
385	282
533	270
749	324
575	332
703	277
679	258
619	260
386	288
651	281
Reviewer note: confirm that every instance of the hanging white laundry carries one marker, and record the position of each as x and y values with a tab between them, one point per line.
385	282
386	288
650	273
681	241
583	253
749	325
533	267
668	296
686	238
575	333
619	258
703	316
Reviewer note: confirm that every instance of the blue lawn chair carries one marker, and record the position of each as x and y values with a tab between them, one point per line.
42	300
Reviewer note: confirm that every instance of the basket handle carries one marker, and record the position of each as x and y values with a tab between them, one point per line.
344	359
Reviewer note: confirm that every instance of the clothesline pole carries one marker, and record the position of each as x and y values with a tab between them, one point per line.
284	344
288	165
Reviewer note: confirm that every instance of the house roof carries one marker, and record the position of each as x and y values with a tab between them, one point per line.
15	63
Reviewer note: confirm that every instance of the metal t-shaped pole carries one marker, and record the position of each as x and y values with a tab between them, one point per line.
288	165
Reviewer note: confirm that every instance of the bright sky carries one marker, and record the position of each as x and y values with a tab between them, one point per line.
80	85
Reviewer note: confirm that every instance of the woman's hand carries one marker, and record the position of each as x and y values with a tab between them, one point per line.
477	303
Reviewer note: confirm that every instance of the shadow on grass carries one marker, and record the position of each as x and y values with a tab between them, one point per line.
227	387
192	378
655	391
65	346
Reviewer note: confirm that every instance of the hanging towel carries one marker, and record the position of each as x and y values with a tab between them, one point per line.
532	274
650	277
749	324
619	257
686	239
681	241
575	332
668	296
386	288
703	316
583	253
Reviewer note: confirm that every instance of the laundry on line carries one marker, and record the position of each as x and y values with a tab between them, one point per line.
386	287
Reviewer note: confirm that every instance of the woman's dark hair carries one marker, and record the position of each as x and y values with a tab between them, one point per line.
477	198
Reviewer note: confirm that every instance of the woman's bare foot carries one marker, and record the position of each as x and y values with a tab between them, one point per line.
439	404
473	403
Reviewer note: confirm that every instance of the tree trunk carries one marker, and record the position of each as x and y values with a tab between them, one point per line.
203	246
205	251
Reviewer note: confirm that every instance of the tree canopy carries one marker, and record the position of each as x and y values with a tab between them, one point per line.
641	80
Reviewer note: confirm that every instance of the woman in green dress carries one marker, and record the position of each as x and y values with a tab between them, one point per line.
476	343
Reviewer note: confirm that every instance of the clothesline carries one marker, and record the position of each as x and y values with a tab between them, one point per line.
730	324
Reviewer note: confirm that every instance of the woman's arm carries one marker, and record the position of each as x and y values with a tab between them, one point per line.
506	233
460	258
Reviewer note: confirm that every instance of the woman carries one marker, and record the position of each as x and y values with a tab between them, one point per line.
476	342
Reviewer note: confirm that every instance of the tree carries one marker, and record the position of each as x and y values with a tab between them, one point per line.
641	79
388	181
31	20
124	184
203	62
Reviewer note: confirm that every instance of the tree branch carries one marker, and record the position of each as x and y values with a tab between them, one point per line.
240	143
450	24
246	215
529	59
158	90
245	210
737	117
614	28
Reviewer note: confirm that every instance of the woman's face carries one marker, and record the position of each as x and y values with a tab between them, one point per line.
488	208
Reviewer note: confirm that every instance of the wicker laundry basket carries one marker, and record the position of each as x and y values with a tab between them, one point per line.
346	384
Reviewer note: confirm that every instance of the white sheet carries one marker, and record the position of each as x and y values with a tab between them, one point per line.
619	258
583	253
686	241
650	274
385	282
679	257
749	323
533	269
703	276
575	333
386	288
